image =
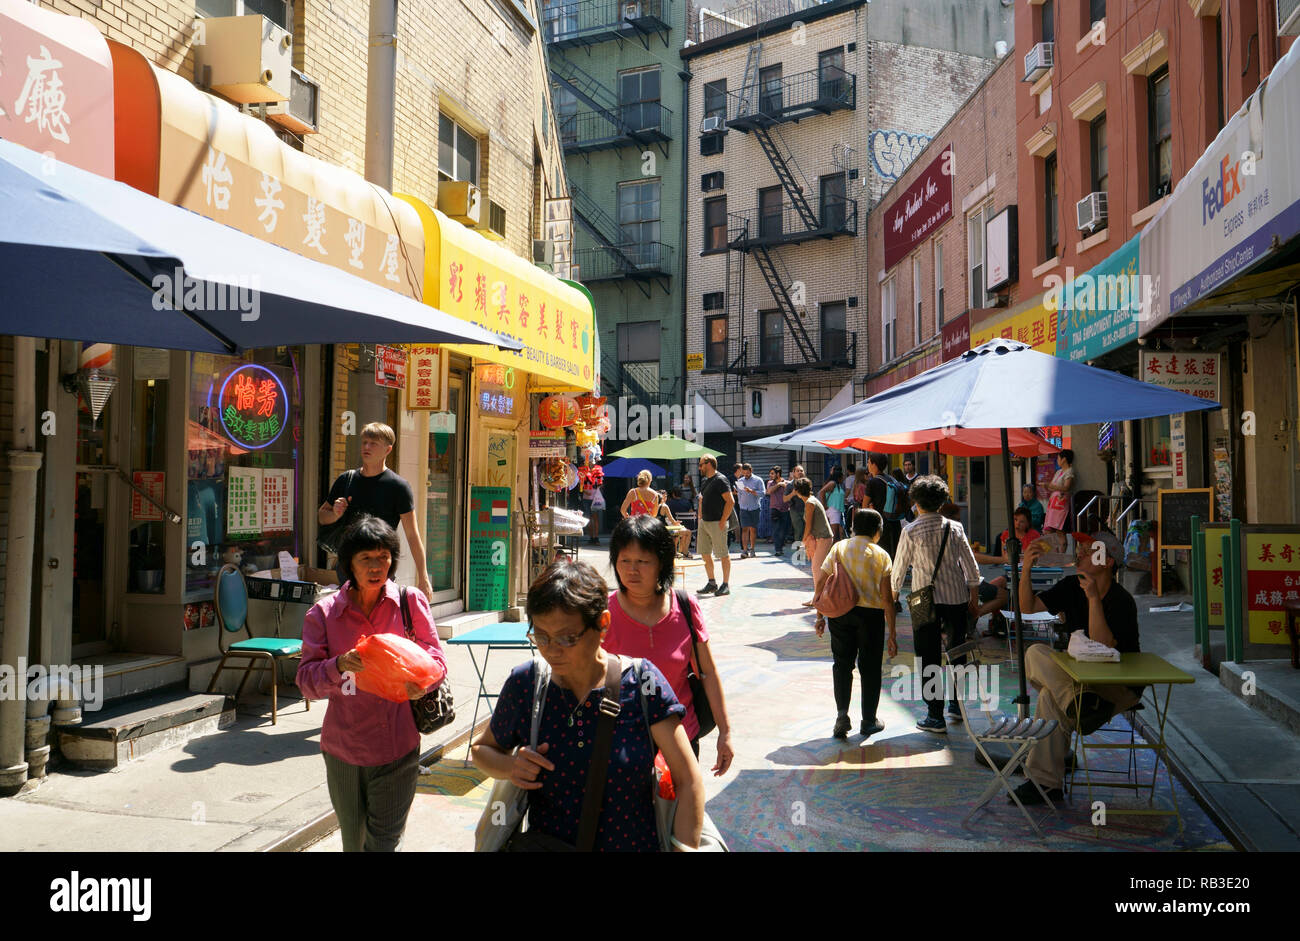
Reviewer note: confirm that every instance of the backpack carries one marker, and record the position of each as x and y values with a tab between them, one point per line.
895	507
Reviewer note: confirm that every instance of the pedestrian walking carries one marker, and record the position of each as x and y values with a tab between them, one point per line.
817	528
371	745
641	499
780	509
795	504
650	620
569	618
888	499
832	497
716	506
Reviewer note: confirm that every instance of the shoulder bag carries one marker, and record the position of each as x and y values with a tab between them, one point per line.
435	708
837	595
711	840
508	803
920	603
699	697
331	537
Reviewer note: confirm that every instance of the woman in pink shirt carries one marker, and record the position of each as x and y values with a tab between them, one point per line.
371	746
647	621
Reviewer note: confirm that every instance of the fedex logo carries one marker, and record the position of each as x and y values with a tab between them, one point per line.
1217	193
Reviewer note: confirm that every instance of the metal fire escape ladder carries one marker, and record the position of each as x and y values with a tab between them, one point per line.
777	278
591	91
599	223
792	187
748	103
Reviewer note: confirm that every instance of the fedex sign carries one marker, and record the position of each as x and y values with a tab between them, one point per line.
1218	191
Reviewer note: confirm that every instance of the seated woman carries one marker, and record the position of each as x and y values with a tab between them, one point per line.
569	618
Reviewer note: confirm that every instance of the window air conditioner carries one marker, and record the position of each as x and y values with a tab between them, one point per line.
496	227
460	200
1038	60
632	10
298	114
713	123
247	59
1091	212
1288	17
543	252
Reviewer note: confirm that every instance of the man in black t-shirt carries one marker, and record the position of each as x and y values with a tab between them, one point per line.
1092	601
716	505
878	494
377	491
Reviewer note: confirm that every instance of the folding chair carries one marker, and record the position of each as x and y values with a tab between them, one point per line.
265	653
1018	735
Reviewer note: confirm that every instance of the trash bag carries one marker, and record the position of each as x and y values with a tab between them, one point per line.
390	661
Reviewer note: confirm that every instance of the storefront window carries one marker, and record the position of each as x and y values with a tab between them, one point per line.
245	473
443	524
366	401
146	559
1156	442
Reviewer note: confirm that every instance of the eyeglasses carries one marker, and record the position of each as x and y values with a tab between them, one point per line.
542	641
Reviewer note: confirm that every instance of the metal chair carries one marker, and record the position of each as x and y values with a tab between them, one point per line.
1018	735
264	653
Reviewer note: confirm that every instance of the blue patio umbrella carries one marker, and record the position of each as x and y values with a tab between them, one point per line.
630	467
88	258
1002	384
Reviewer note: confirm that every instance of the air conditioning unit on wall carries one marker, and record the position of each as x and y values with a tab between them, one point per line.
461	200
247	59
543	252
1091	212
1039	60
300	113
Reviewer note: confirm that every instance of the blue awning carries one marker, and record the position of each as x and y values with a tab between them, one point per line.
88	258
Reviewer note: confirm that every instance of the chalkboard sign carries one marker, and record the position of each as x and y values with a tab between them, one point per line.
1175	511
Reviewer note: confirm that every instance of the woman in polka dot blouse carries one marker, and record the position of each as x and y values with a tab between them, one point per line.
567	610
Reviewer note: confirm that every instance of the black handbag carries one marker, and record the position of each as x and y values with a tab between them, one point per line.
532	841
434	709
920	603
699	698
331	536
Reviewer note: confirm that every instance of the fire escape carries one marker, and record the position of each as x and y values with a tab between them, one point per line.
613	258
610	123
759	106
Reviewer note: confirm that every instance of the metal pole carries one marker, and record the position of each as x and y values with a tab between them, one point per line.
1013	547
381	84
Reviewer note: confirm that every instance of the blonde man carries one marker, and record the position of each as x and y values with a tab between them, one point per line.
375	490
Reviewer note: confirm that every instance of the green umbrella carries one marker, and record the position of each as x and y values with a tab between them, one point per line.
666	447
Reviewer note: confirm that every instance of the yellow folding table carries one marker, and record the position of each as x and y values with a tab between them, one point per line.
1133	669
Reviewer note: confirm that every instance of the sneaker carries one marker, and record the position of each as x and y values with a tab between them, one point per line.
954	711
722	590
842	726
708	589
871	728
1029	795
933	724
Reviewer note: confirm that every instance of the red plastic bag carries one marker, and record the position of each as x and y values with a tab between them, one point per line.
666	789
390	661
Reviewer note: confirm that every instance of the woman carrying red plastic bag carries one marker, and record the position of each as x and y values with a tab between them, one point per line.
369	740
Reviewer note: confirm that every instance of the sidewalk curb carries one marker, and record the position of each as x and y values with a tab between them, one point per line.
1202	796
328	822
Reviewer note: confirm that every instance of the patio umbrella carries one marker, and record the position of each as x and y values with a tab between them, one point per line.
666	447
775	443
961	442
630	467
1002	384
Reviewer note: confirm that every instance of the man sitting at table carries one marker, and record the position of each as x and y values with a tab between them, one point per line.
1092	601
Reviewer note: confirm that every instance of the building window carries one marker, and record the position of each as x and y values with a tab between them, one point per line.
715	99
457	152
1157	442
1100	156
711	181
638	359
715	224
638	95
916	298
769	212
771	350
713	300
1096	11
715	332
769	81
566	114
938	285
888	341
1159	134
638	213
1051	212
277	11
835	338
832	81
1047	23
975	254
561	18
833	202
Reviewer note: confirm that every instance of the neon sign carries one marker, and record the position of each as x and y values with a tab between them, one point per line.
253	406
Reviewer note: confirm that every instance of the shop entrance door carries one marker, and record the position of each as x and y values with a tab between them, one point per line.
445	511
94	588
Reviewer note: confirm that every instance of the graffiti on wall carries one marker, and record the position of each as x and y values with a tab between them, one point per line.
893	151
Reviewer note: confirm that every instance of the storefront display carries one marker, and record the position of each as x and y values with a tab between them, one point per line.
245	420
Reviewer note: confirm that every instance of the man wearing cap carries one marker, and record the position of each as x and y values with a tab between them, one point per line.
1092	601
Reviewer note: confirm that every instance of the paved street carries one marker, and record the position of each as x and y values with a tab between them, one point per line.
793	787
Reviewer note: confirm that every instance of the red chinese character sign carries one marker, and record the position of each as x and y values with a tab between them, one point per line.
253	406
1196	374
1272	578
425	379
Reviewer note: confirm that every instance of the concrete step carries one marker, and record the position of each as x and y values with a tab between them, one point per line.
136	727
131	674
1271	687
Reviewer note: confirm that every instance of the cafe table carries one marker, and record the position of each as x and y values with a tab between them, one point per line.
504	635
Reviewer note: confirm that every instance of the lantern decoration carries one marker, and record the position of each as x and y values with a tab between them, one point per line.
589	407
591	475
557	411
586	437
592	453
555	474
602	425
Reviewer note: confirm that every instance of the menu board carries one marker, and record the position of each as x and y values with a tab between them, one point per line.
489	548
1175	510
277	500
244	501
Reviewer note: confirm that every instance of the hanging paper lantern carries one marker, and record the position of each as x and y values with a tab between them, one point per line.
557	411
589	407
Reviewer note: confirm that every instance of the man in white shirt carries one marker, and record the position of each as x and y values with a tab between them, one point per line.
748	488
956	589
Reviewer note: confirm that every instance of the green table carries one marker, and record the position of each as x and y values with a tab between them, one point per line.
1133	669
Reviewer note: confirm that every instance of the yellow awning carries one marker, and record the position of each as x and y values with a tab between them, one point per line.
1034	324
479	281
